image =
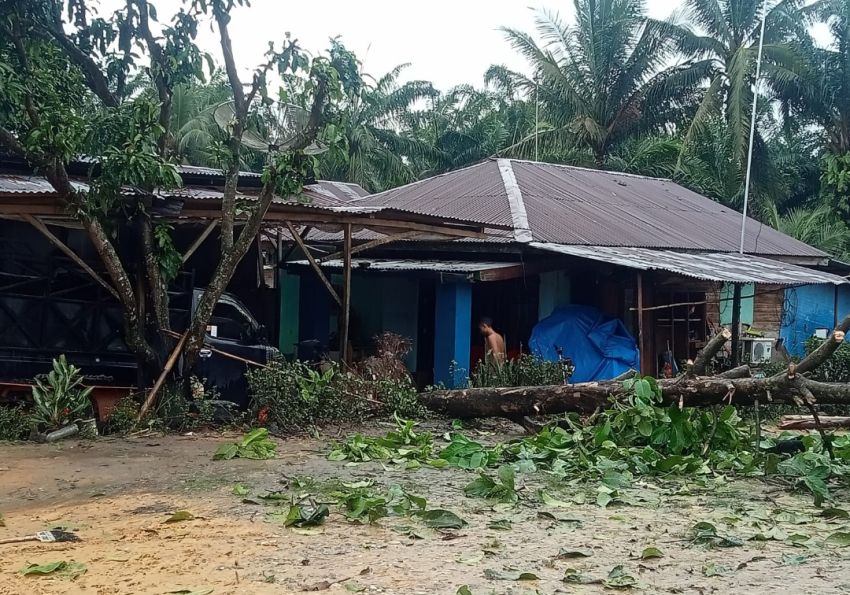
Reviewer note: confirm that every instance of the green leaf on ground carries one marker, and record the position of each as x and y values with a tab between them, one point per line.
61	568
834	513
510	575
619	579
651	552
566	554
306	515
704	533
839	538
499	525
714	569
795	559
463	590
441	519
253	445
240	490
180	515
553	502
573	576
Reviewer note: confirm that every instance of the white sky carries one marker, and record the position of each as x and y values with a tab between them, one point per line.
447	42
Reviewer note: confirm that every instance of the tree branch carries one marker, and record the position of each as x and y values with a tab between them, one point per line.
95	79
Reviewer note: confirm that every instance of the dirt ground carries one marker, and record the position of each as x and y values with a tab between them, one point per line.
116	494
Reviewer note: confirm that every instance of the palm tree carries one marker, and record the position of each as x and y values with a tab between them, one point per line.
195	131
368	146
604	79
721	37
818	227
466	125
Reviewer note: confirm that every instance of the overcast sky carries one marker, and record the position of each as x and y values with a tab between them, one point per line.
447	42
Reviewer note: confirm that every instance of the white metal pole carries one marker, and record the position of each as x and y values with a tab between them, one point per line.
752	129
536	115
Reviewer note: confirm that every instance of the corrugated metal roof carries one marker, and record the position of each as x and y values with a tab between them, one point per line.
31	185
441	266
475	193
726	267
321	194
572	205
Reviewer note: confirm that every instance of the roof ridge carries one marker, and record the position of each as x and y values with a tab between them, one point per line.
519	216
592	170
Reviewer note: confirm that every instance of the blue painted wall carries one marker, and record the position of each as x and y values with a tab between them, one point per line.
452	333
808	308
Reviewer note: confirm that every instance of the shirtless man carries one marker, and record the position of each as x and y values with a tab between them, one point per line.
494	344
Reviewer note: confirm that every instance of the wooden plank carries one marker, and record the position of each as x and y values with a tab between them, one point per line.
69	253
346	293
199	240
406	235
297	237
201	211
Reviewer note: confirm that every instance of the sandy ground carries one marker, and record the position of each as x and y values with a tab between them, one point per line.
116	494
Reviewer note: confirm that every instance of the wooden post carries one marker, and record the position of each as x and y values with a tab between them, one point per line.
346	294
315	264
172	359
644	365
736	325
835	307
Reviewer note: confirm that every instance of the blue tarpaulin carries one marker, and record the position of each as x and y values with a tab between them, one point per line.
600	346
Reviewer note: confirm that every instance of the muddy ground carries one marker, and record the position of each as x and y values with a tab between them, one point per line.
117	493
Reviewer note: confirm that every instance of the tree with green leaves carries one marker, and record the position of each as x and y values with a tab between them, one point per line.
605	78
721	38
368	146
465	125
66	78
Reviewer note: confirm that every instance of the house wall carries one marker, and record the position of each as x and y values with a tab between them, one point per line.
808	308
554	291
385	304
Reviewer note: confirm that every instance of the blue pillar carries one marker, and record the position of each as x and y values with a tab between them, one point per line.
452	333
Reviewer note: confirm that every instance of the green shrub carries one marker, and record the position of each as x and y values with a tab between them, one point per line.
836	368
59	396
122	418
296	396
15	423
525	371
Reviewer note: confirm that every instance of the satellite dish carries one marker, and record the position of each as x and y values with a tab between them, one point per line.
286	122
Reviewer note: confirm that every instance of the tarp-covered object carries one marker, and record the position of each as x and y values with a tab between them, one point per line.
600	346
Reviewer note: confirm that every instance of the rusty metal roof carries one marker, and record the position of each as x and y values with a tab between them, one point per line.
713	266
323	193
577	206
475	193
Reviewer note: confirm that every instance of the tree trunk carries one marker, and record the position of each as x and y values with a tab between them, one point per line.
157	289
788	387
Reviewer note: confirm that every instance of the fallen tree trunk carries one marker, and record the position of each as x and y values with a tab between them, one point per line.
807	422
788	387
